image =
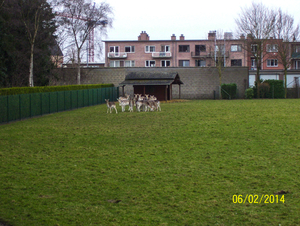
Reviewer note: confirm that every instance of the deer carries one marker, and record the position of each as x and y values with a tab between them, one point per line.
124	98
131	104
110	105
123	103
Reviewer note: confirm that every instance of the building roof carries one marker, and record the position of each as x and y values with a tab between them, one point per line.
150	77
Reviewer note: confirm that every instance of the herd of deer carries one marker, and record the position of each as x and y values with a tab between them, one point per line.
145	103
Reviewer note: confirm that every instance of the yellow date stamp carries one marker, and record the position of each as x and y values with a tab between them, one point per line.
257	199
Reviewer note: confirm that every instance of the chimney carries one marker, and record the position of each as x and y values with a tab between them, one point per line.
212	35
181	37
242	37
173	37
143	36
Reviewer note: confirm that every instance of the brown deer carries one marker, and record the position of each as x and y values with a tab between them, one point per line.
110	105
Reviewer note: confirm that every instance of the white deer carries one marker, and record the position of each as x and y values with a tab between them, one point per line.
110	105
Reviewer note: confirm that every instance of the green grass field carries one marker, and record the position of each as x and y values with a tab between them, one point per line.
185	165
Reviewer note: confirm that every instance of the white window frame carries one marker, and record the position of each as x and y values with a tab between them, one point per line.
165	63
272	48
115	49
269	63
149	49
297	64
165	48
129	63
115	63
131	49
150	63
236	48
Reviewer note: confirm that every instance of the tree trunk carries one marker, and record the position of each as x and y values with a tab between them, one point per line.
285	82
78	67
31	67
257	79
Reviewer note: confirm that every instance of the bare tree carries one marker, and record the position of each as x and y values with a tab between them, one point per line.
257	22
32	27
285	32
79	18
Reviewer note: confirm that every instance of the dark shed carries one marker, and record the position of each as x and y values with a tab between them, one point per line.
157	83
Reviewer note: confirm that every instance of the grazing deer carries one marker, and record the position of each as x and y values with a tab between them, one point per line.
110	105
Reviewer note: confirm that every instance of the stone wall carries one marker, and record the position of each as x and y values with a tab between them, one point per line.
199	83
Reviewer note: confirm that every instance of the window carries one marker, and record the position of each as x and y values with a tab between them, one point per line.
220	49
129	63
200	63
297	49
149	49
236	48
297	64
184	63
272	63
114	63
254	48
129	49
272	48
253	64
184	48
150	63
165	63
236	63
165	48
199	48
114	49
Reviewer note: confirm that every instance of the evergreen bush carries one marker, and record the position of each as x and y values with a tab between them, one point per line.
229	91
249	94
44	89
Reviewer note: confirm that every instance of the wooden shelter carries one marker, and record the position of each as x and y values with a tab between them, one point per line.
157	83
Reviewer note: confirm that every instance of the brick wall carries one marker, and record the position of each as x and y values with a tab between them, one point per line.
199	83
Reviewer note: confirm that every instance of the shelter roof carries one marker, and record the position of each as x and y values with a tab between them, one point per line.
150	77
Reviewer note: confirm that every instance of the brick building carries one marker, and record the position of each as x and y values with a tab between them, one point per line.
144	52
180	52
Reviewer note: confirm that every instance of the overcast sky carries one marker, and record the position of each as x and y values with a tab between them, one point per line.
194	19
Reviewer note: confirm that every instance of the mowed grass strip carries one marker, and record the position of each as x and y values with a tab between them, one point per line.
180	166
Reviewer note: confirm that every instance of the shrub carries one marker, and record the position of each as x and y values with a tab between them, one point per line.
270	89
229	91
249	93
45	89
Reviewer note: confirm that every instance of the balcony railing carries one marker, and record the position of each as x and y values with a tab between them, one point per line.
117	55
199	54
161	54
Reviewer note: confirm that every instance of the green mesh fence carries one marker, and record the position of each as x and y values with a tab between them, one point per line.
16	107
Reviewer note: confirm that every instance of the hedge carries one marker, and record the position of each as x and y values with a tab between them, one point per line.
270	89
44	89
230	89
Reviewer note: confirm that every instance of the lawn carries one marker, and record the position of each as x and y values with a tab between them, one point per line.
190	164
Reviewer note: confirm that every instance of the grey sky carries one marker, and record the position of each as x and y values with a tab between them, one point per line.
194	19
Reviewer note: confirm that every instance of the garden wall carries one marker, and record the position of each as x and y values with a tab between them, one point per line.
199	83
